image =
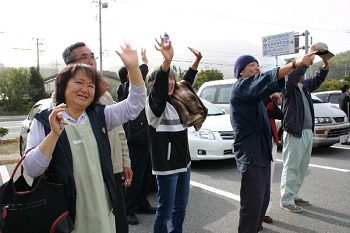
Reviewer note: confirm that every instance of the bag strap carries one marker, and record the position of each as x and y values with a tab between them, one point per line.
20	163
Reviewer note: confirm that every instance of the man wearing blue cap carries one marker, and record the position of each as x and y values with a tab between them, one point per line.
252	146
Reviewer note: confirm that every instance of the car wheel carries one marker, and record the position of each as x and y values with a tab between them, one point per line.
21	147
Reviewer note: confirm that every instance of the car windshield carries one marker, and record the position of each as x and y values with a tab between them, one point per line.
315	99
212	109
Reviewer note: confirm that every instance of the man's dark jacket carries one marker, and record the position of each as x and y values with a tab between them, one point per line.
136	131
293	104
344	101
253	144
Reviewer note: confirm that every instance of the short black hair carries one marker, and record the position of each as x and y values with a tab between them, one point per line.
123	74
67	54
344	87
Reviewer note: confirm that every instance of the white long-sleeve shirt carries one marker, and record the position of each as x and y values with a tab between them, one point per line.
36	162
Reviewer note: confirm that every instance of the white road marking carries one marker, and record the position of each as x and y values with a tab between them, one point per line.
215	190
341	147
323	167
4	174
237	197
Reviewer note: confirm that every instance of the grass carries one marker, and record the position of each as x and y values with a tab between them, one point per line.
9	151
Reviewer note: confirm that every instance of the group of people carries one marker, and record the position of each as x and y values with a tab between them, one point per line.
252	116
105	151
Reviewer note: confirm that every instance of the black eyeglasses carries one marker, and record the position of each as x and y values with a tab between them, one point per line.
85	59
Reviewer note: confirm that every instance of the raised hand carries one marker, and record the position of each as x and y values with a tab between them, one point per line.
130	59
306	60
197	53
128	55
56	119
143	56
168	52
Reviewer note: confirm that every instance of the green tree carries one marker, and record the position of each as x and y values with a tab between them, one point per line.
207	75
330	85
37	85
15	89
339	66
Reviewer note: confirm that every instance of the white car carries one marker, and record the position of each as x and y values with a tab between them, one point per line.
214	141
217	92
331	123
329	96
37	108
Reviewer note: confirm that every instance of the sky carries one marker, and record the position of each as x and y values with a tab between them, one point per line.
57	24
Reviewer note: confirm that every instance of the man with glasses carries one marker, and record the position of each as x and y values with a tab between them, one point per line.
251	127
80	53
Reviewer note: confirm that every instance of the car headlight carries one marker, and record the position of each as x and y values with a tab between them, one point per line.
323	120
202	133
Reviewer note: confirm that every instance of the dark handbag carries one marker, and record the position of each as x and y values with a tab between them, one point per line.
39	208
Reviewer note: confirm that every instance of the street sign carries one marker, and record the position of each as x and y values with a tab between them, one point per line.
280	44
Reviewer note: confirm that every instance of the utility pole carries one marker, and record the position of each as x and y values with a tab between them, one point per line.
37	54
306	47
100	28
100	6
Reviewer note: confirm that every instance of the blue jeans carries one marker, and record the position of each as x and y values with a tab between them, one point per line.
173	192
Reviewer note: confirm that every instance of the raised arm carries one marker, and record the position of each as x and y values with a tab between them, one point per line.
167	52
198	55
130	59
306	60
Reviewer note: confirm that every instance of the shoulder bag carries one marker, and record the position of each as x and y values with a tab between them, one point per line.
37	208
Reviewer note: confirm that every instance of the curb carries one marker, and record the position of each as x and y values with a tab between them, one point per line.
9	159
12	118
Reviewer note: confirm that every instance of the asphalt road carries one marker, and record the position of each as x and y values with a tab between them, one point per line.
13	123
214	197
214	205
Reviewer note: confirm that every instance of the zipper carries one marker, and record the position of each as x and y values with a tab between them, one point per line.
14	207
169	151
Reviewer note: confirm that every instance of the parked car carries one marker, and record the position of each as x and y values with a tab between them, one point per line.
37	107
214	141
217	92
331	123
329	96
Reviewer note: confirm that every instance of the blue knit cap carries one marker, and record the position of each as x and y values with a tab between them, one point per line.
241	62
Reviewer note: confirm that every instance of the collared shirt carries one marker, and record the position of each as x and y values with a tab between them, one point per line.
115	114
